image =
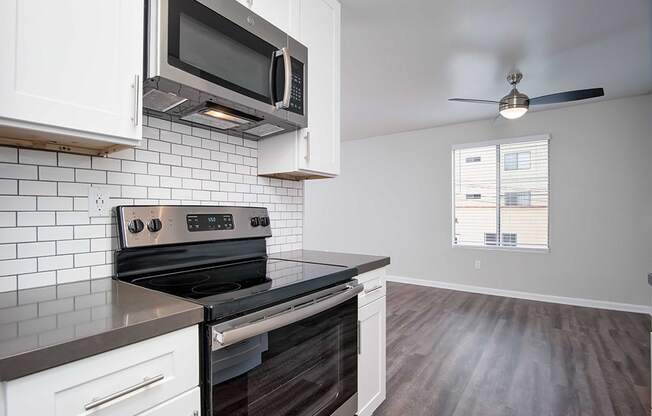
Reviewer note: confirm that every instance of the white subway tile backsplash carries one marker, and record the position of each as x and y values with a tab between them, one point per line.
89	259
54	203
7	251
134	167
37	157
74	161
73	189
13	171
54	263
17	266
120	178
54	233
104	163
17	203
28	281
56	174
44	208
170	159
8	187
37	188
73	246
47	248
8	283
73	275
89	231
8	154
72	218
90	176
146	156
30	218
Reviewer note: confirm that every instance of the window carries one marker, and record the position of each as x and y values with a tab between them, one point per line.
490	239
473	159
517	199
517	161
501	200
509	239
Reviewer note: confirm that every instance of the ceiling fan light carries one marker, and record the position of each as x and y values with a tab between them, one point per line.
513	112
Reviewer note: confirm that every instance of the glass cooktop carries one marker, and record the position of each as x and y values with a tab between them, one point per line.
234	288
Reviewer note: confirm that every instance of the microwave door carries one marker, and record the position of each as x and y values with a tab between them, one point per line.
211	47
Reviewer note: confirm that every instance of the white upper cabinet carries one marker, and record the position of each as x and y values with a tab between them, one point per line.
277	12
71	73
313	152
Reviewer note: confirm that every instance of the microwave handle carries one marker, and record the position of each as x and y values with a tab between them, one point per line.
287	63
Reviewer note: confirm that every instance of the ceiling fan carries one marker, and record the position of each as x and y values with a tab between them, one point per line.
515	104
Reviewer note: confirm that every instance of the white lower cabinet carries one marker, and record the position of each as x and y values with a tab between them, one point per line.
371	345
158	375
186	404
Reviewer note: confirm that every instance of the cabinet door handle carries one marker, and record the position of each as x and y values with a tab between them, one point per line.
136	87
113	396
359	339
307	156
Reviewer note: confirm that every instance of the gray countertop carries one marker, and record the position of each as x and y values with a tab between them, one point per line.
45	327
362	262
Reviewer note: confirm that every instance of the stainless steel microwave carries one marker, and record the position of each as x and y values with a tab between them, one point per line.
216	63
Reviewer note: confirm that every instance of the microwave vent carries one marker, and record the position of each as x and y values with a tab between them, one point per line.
161	101
264	130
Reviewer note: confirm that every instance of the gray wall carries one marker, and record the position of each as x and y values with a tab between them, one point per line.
394	198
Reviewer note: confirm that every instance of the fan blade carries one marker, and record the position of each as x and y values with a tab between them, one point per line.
562	97
470	100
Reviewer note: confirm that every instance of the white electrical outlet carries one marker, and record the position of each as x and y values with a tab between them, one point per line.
477	264
98	201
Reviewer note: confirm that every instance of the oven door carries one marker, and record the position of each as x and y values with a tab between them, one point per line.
298	359
220	47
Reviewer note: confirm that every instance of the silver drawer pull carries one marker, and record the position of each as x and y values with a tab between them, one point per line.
366	292
146	382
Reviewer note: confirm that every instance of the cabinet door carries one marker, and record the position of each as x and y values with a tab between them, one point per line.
320	32
277	12
72	66
123	381
371	357
186	404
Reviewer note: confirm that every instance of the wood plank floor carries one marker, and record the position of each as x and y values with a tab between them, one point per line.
452	353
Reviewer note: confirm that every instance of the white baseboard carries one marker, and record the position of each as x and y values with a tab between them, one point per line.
591	303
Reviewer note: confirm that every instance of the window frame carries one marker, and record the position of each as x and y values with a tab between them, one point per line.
498	142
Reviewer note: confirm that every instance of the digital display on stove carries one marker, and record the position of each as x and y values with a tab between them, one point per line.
209	222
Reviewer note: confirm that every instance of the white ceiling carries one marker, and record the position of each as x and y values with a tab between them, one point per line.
402	59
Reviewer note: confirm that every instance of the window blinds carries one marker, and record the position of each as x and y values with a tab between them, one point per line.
500	195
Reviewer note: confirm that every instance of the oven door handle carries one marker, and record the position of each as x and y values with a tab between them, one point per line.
279	316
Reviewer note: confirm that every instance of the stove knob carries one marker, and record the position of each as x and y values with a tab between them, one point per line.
135	226
154	225
264	221
255	221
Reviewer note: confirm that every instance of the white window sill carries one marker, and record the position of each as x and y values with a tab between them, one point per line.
510	249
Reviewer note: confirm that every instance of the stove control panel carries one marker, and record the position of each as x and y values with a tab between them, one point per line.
151	225
209	222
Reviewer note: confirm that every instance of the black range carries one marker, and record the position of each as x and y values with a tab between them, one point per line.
277	333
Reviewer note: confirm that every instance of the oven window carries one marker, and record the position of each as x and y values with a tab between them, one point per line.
212	47
307	368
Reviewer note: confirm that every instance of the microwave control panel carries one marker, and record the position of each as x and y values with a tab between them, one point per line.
296	93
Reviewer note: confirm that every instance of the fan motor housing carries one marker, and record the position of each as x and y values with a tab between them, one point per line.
514	99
